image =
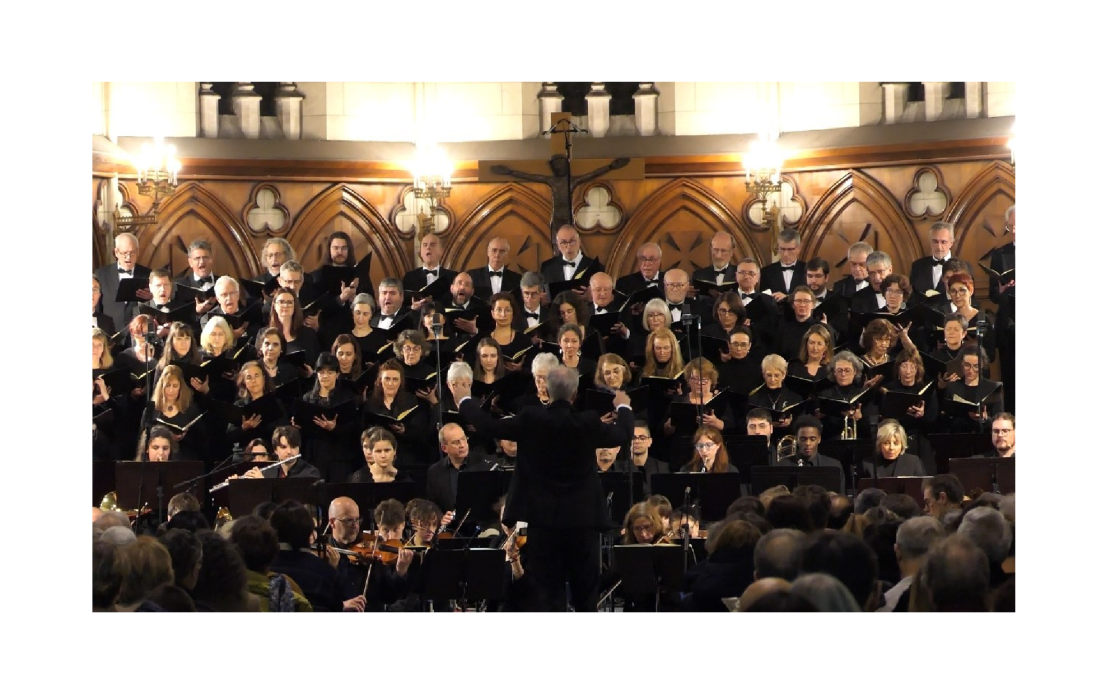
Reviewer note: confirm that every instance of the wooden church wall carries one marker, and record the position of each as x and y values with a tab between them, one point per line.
831	207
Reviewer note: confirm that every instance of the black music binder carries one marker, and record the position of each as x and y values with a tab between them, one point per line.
713	492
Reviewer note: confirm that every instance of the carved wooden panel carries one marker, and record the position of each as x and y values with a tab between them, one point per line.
837	207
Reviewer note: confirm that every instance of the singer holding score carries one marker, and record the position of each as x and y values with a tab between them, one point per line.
556	487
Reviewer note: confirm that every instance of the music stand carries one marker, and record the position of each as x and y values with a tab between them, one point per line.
620	502
246	493
470	574
966	445
714	492
745	452
911	485
983	473
141	482
104	480
478	492
1005	475
763	478
649	569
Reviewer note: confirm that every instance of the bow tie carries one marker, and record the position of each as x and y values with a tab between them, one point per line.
719	271
675	306
600	308
791	267
570	264
536	316
938	262
122	271
496	273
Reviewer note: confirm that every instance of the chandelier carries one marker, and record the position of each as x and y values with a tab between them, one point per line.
431	181
157	175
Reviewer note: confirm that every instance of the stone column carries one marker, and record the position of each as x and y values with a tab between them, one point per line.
208	110
247	106
550	101
598	110
936	94
288	101
894	101
973	100
645	109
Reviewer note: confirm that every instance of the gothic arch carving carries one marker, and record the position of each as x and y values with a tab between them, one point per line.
682	216
966	212
513	211
891	229
367	228
193	212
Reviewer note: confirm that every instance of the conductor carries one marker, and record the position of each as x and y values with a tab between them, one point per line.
556	487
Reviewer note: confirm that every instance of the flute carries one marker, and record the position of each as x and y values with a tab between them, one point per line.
270	466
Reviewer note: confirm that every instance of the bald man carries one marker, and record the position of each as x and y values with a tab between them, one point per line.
385	584
461	297
126	248
604	301
443	475
431	258
496	275
572	262
760	588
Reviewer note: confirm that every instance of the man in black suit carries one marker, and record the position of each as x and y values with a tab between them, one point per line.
496	276
763	318
603	301
857	266
556	486
571	263
126	248
443	475
640	462
461	297
336	317
431	257
649	270
200	257
720	250
390	298
871	299
808	430
925	273
533	311
228	293
788	272
816	278
1003	259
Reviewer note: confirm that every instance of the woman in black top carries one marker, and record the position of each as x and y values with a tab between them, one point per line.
330	443
380	449
270	347
414	432
773	395
891	458
173	405
253	383
910	377
846	373
971	388
287	316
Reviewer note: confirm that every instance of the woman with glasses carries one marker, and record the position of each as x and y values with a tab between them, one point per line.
961	289
270	347
654	317
957	415
709	454
728	313
740	371
773	395
702	378
794	326
847	376
412	350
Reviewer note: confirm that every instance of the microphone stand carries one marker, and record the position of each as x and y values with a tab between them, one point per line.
159	495
874	421
981	325
686	320
610	547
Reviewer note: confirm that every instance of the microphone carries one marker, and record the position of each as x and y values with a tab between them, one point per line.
687	490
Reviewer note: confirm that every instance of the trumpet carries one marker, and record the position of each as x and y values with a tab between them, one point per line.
849	432
787	447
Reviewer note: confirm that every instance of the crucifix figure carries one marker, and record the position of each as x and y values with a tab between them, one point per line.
559	176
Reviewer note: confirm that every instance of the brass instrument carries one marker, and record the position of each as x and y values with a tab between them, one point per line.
849	432
787	447
223	516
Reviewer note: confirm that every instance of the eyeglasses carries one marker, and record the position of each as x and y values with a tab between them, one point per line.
802	301
349	521
843	371
705	446
676	284
698	379
644	260
893	292
740	345
971	367
641	437
725	311
200	258
998	432
565	243
642	528
746	273
285	303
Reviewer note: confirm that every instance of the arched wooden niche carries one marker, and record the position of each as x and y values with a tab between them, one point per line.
513	212
977	214
190	213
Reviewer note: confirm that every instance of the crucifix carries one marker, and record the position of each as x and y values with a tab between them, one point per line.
561	174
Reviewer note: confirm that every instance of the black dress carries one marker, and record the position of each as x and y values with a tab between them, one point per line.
195	443
416	446
334	452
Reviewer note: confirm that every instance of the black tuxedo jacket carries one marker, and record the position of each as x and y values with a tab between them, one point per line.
1003	259
511	282
635	282
772	278
845	287
484	321
708	273
188	280
865	301
556	481
553	269
418	278
121	313
921	274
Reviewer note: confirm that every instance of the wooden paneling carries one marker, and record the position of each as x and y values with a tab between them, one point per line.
841	202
